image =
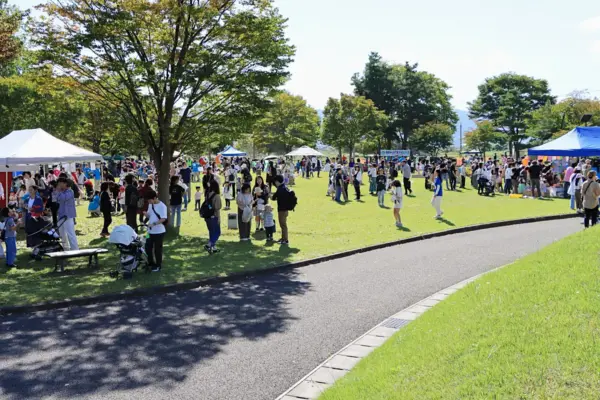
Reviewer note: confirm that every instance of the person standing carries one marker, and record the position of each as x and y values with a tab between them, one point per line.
396	189
157	218
286	202
591	193
372	177
105	208
357	180
534	174
436	201
177	196
245	202
65	198
380	184
213	218
185	172
508	173
131	202
567	180
406	175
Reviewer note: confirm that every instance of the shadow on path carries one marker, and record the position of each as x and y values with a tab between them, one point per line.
138	343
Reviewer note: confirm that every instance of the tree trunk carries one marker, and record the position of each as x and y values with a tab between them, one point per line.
340	154
163	166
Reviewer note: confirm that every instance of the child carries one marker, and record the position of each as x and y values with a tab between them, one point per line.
380	182
269	222
396	189
197	198
10	236
121	200
436	201
227	193
260	208
94	207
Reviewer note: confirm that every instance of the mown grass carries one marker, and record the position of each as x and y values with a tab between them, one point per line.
318	226
528	331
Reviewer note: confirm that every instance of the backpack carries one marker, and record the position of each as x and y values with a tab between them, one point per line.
134	199
291	200
206	209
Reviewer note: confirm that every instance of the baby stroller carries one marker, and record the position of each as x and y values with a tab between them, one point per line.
132	251
486	187
46	238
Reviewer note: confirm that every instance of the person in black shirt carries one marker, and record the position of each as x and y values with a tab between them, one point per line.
282	196
131	198
177	194
380	182
105	208
206	179
534	174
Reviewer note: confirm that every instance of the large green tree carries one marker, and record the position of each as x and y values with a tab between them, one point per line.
484	138
10	22
433	138
350	121
176	68
508	101
290	122
409	97
554	120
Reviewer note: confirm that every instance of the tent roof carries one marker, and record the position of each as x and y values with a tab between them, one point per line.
230	151
580	142
36	146
304	151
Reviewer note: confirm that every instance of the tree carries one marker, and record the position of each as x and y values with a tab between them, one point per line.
10	22
290	122
554	120
432	138
176	68
410	98
509	100
351	120
483	138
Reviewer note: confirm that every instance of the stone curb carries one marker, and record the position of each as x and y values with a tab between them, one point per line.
335	367
238	276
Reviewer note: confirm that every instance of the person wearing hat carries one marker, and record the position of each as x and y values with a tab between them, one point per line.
261	198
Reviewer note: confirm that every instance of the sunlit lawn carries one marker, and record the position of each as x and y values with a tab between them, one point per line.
319	226
527	331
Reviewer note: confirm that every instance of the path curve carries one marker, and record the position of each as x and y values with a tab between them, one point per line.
244	340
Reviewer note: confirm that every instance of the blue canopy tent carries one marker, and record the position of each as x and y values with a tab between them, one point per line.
580	142
230	151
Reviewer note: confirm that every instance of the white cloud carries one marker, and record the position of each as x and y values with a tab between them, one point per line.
590	24
595	47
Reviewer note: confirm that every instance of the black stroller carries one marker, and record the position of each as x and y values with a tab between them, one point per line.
45	238
486	187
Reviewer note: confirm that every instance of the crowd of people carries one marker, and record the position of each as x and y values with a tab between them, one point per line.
259	191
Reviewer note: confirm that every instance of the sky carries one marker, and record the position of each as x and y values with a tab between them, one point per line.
460	41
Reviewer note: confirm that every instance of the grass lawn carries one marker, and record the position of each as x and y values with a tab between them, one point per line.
318	226
527	331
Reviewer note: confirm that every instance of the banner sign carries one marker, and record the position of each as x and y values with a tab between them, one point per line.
395	153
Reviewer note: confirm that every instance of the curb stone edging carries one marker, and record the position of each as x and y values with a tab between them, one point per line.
312	385
239	276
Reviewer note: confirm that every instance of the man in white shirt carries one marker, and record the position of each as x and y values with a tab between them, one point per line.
372	176
157	218
406	174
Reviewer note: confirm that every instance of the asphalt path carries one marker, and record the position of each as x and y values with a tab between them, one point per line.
249	340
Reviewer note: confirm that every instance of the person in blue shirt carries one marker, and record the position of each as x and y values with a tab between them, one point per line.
195	172
436	201
94	207
97	178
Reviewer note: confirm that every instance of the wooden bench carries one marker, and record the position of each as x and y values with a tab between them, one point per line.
61	257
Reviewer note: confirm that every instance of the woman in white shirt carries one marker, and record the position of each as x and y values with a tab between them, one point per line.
157	215
397	197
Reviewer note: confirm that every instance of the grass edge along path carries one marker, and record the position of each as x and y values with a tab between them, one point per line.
529	330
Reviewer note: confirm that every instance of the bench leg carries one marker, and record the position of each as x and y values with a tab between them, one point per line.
60	265
93	261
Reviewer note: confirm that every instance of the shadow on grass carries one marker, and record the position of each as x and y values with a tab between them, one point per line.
146	342
446	221
404	229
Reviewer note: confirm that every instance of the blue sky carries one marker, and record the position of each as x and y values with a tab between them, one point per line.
460	41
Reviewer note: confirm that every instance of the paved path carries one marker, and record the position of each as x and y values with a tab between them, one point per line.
250	340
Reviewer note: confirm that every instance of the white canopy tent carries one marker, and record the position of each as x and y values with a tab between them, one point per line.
32	147
304	151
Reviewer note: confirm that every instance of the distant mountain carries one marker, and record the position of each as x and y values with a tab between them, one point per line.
467	125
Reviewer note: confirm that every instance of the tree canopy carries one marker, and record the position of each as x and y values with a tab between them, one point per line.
350	120
175	68
483	138
10	22
432	138
409	97
554	120
508	101
289	122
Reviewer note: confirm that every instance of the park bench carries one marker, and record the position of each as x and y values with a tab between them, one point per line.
61	257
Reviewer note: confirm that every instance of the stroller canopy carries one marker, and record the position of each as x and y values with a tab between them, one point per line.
123	235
